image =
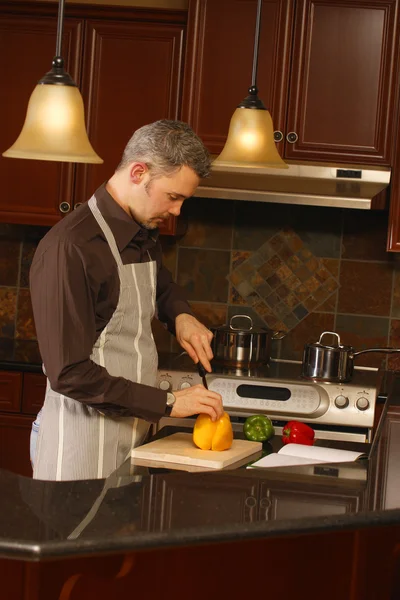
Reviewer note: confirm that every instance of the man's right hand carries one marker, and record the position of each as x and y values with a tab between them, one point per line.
195	400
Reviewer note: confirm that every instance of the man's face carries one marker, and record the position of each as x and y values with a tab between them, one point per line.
156	199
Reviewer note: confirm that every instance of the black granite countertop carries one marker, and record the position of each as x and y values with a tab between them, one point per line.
26	367
141	507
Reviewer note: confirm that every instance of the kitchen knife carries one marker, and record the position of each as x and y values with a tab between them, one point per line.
202	373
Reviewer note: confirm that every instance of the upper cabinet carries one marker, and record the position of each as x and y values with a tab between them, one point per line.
32	191
128	65
327	71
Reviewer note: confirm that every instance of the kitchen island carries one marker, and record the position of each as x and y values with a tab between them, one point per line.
331	532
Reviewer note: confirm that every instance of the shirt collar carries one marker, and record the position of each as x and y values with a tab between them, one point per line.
123	227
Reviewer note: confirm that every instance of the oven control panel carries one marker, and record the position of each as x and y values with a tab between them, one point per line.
346	405
274	398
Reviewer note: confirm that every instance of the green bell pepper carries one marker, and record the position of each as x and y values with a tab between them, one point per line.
258	428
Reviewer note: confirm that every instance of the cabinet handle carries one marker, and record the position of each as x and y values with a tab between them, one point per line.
77	205
250	502
292	137
265	503
278	136
65	207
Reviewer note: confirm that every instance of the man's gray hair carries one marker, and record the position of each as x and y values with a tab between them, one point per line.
165	146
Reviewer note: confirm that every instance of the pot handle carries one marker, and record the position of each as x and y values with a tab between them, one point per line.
240	328
330	333
386	350
279	335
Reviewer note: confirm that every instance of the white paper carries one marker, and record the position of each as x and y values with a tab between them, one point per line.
299	454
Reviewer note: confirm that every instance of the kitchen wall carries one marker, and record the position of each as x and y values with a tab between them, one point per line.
212	262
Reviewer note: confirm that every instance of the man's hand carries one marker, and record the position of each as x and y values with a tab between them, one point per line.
195	338
195	400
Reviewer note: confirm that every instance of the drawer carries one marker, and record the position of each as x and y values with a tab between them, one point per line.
33	393
10	391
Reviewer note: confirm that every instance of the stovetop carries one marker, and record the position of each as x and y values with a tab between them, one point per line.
341	410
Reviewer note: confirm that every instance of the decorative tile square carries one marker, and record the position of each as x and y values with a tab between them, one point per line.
9	261
300	282
8	310
28	251
25	329
27	351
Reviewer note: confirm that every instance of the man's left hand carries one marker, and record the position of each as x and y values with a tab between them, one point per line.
195	338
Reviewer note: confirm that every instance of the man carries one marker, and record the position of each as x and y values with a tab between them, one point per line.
95	280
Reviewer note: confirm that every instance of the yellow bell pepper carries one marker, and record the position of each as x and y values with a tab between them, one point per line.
213	435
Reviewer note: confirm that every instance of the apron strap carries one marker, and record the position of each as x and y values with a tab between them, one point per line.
105	229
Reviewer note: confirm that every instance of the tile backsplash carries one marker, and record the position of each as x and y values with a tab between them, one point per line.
334	274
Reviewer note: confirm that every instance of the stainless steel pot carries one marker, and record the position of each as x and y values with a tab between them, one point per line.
332	363
238	347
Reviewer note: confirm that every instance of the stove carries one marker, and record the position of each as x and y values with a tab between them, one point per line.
336	411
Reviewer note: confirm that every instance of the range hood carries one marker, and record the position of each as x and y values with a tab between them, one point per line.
315	184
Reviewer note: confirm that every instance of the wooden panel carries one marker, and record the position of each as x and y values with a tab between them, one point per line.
219	63
31	190
236	497
132	74
344	81
15	431
10	391
34	390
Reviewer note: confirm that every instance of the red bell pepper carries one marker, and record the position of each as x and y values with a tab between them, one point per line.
295	432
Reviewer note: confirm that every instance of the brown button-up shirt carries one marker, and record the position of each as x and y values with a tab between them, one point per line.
75	289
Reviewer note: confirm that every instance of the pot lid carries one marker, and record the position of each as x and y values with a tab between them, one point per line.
231	327
338	346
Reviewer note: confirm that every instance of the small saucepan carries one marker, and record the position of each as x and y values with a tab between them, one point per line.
332	363
242	347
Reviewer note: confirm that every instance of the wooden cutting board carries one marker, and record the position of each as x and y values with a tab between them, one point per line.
179	448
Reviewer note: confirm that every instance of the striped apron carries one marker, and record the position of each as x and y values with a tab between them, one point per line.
76	441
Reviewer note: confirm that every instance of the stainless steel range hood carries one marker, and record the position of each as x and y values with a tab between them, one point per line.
316	184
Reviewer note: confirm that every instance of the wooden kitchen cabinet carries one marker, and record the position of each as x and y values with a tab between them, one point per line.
235	497
32	190
21	398
15	433
327	71
128	65
219	63
10	391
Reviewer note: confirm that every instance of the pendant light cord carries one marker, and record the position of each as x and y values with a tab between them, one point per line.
60	20
256	44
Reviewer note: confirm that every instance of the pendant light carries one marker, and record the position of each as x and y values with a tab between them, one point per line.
250	141
54	127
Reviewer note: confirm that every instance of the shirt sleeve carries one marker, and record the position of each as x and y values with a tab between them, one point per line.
63	301
171	298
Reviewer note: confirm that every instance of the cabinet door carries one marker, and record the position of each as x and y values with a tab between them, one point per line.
33	393
343	81
15	431
10	391
298	503
228	501
219	62
32	190
132	76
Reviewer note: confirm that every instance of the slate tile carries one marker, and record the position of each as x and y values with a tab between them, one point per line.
203	274
358	294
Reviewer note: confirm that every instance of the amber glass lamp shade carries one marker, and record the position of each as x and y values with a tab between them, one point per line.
54	127
250	141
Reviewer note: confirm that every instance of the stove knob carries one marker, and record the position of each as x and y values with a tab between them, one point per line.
164	385
184	385
341	401
362	403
